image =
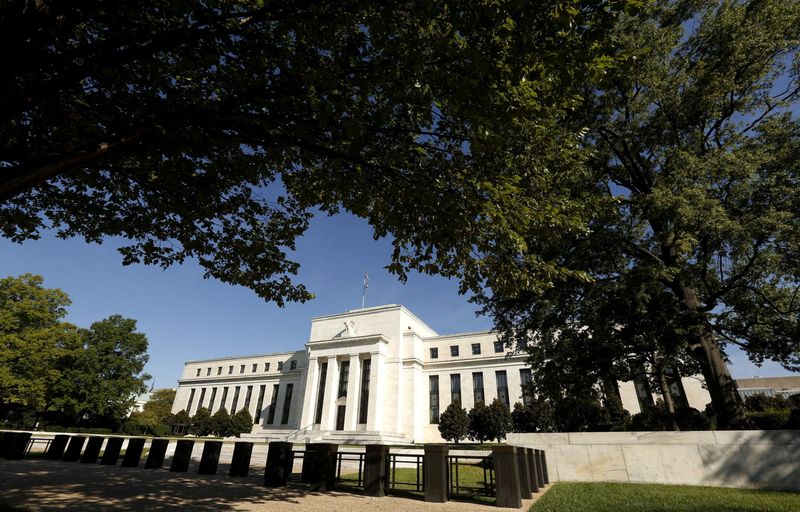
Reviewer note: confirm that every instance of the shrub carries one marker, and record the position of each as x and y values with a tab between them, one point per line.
773	419
221	423
761	403
692	419
537	416
241	423
454	423
488	423
201	422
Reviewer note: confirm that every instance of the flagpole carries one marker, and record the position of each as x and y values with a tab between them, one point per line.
364	290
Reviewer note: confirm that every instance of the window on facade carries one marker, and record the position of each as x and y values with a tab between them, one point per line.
434	398
502	387
455	388
224	397
197	374
230	369
202	398
191	399
498	346
477	387
454	350
241	369
287	404
525	384
292	365
235	399
476	349
247	397
255	367
434	353
219	370
364	408
213	396
266	367
344	374
323	375
280	366
259	404
208	372
273	404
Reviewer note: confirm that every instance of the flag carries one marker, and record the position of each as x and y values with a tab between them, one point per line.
366	281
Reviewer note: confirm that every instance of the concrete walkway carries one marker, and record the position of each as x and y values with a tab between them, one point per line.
42	485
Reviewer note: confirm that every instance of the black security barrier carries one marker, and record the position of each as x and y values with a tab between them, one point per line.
375	475
209	460
111	453
506	467
240	463
537	455
57	446
280	460
6	440
545	476
92	450
435	476
73	451
133	452
183	455
524	474
534	480
155	458
18	446
319	466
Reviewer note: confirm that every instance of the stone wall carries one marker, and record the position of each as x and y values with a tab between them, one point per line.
750	458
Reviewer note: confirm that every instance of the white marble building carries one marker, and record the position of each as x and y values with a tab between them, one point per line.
367	375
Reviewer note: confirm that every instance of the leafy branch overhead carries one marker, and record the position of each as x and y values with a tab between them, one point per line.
211	130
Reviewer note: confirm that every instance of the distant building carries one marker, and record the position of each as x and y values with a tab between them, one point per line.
770	386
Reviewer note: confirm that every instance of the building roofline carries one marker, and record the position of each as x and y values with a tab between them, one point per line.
372	309
243	357
456	335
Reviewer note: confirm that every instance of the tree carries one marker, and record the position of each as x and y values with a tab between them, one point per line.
202	424
241	423
454	423
181	421
487	423
691	180
212	130
221	423
536	416
160	404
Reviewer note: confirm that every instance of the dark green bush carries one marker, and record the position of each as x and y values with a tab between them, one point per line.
774	419
761	403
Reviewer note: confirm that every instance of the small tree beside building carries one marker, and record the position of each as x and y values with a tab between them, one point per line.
487	423
201	423
454	423
241	423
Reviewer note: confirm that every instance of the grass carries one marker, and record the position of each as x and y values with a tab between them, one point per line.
613	497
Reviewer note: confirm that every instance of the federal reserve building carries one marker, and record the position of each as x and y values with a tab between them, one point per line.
374	375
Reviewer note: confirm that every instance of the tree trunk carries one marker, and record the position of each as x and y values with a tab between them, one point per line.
669	404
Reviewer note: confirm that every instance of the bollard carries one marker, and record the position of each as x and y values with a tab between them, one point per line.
92	450
19	445
155	458
111	453
6	442
183	455
435	469
524	474
532	465
540	472
240	463
57	447
73	452
319	466
280	460
375	470
133	452
209	460
545	477
506	474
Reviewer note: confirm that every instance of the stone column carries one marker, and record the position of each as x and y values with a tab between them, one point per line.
111	453
353	388
92	450
533	466
329	400
280	460
311	392
506	474
319	466
240	463
524	473
57	447
155	457
133	453
209	460
435	467
376	399
375	470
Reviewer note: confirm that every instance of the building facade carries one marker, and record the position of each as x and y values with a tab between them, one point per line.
376	374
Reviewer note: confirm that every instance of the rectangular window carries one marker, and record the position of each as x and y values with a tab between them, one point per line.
287	404
219	370
273	404
230	369
197	374
208	372
498	346
525	383
477	387
266	367
502	387
434	398
434	353
247	397
235	399
224	397
292	365
213	396
280	366
455	388
255	367
323	375
364	409
202	398
191	399
259	404
476	349
454	350
344	374
241	369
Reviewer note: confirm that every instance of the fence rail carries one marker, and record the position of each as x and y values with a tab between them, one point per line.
403	482
343	459
470	476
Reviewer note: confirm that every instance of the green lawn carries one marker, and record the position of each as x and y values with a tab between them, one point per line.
608	497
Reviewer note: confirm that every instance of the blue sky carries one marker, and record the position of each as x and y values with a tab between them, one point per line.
188	317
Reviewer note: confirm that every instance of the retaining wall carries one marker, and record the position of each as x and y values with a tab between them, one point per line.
745	458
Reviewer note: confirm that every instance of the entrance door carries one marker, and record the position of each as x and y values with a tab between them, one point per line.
340	417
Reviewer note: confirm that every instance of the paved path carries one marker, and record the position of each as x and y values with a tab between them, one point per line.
42	485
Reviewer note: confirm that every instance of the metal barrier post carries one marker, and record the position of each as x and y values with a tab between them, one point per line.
240	463
280	460
435	470
506	467
375	470
92	450
111	453
319	466
210	458
133	453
